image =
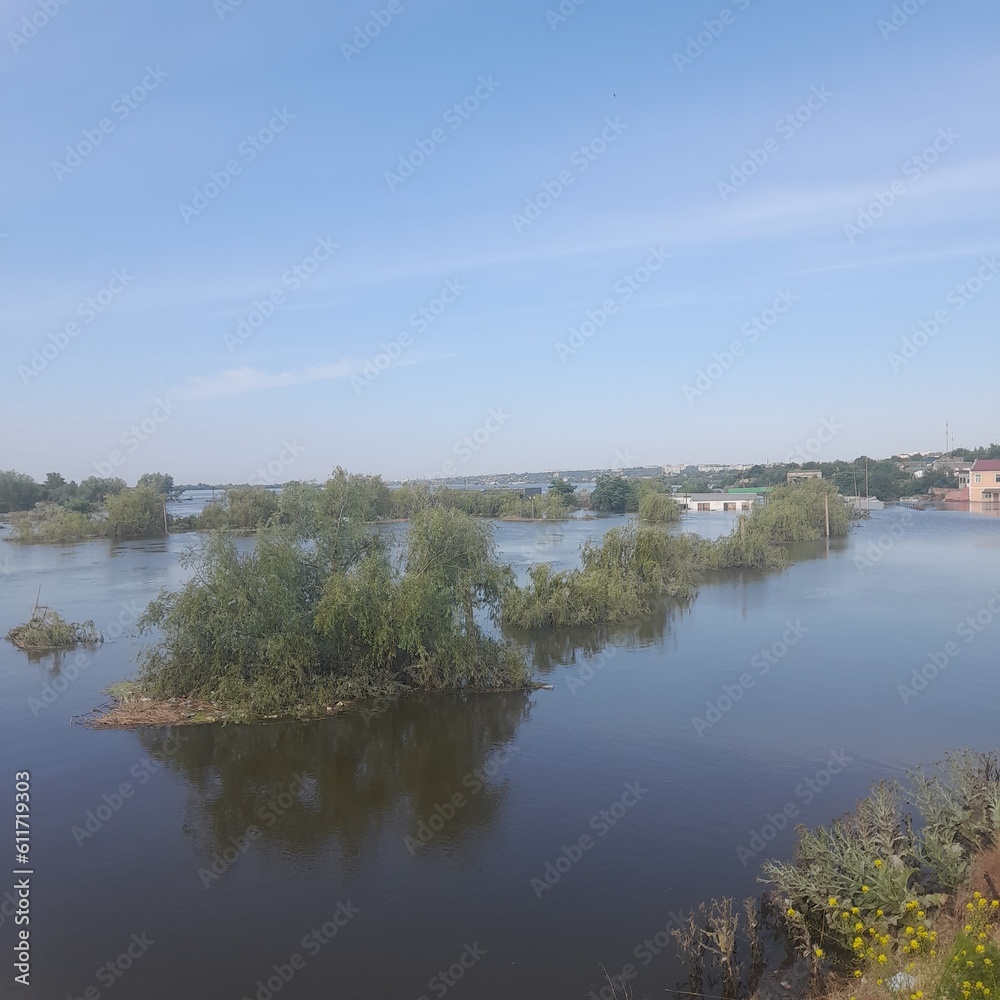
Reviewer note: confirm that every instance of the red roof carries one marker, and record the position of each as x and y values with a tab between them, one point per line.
957	496
986	465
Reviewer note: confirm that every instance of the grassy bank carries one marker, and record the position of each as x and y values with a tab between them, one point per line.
878	905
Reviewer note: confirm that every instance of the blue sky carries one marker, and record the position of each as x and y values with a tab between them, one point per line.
613	125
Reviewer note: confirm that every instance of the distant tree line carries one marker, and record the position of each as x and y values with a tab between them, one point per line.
60	511
885	479
249	508
19	492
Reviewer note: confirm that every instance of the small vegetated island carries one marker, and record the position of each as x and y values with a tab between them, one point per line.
328	606
46	630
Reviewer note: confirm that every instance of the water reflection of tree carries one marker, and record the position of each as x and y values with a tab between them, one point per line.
560	647
360	771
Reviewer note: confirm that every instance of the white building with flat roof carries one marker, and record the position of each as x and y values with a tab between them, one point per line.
717	501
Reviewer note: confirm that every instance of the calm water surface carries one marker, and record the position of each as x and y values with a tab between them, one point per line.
431	818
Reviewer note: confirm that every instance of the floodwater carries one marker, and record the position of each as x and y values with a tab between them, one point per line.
520	842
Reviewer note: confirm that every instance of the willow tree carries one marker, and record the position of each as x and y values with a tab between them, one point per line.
458	553
658	508
136	513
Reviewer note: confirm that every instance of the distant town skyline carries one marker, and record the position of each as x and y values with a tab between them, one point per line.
504	237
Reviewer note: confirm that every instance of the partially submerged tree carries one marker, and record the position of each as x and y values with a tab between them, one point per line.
290	626
565	490
135	513
615	494
18	491
658	508
161	482
457	553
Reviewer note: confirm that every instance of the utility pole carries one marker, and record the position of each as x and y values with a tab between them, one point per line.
826	509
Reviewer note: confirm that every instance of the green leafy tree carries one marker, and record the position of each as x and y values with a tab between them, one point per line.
298	508
135	513
250	507
693	485
614	493
565	490
347	505
658	508
158	481
457	553
94	489
18	491
53	485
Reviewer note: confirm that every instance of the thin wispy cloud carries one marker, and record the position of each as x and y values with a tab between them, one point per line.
236	381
